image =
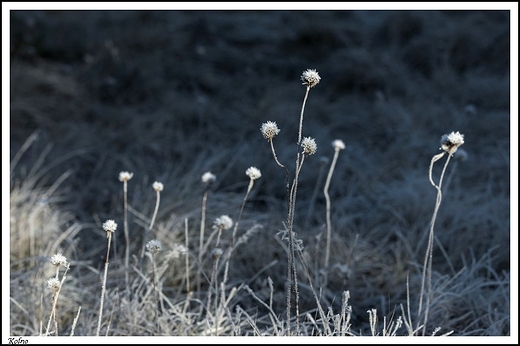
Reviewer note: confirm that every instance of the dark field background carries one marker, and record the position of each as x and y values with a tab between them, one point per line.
169	95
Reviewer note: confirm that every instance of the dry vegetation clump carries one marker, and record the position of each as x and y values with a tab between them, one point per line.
195	189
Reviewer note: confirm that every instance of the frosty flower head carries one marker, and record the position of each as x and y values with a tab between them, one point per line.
125	176
310	78
451	142
309	145
223	222
269	129
208	178
178	249
109	226
216	253
154	246
253	173
157	186
338	144
53	284
59	260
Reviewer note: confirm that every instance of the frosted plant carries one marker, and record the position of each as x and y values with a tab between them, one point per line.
337	145
110	227
449	144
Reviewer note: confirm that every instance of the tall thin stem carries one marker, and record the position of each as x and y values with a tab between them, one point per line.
152	222
103	286
428	258
201	241
235	229
327	199
127	236
285	168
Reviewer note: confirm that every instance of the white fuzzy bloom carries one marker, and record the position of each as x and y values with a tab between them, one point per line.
451	142
154	246
309	145
338	144
223	222
269	129
208	178
216	253
53	284
125	176
59	260
110	226
310	78
253	173
157	186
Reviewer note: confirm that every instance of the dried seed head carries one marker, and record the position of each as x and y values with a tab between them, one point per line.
338	144
310	78
216	253
269	129
157	186
309	145
223	222
154	246
451	142
125	176
208	178
253	173
59	260
53	284
109	226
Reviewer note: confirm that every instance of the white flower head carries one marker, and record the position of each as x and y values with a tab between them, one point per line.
208	178
125	176
253	173
309	145
154	246
59	260
310	78
338	144
109	226
269	129
451	142
157	186
216	252
53	284
223	222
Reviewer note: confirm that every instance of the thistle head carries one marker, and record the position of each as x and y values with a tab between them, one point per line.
110	227
157	186
154	246
125	176
269	130
59	260
451	142
338	144
253	173
310	78
223	222
54	284
216	252
208	178
309	145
